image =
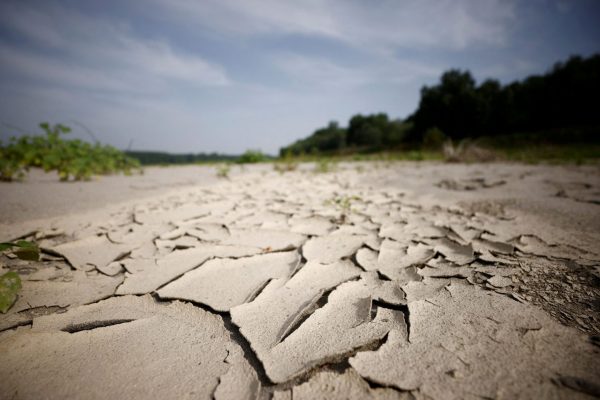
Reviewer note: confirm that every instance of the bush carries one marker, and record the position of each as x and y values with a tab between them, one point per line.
70	158
434	139
252	157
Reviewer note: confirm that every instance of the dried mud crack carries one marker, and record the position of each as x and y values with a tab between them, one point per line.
404	282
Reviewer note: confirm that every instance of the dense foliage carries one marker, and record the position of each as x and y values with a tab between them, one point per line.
371	132
564	97
559	106
69	158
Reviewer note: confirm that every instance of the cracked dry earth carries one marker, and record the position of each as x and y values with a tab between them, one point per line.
408	281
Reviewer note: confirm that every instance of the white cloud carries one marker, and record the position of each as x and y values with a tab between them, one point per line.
72	49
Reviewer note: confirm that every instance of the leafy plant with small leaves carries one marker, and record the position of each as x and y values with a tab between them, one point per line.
74	158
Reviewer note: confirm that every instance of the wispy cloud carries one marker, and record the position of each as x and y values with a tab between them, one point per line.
65	47
320	72
380	24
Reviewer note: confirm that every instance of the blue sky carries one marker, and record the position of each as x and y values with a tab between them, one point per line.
226	76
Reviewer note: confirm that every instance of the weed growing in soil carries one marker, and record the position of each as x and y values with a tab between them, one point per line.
343	204
324	165
223	171
286	164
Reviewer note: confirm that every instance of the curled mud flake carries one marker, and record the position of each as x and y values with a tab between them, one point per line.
94	250
111	269
173	234
176	264
94	325
208	232
331	248
457	253
367	259
75	288
225	283
500	281
263	238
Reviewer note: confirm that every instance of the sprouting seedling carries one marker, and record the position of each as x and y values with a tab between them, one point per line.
223	171
343	204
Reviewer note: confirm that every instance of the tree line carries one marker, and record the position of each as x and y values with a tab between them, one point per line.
563	99
157	157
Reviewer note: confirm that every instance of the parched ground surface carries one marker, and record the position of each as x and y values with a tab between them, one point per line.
373	281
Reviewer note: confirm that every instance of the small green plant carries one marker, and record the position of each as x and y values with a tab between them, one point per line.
324	166
10	282
343	204
252	157
223	171
286	163
69	158
24	250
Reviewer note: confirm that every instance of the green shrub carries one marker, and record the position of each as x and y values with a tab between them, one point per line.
69	158
251	157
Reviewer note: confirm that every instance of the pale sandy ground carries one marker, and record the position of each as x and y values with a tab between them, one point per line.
42	196
376	280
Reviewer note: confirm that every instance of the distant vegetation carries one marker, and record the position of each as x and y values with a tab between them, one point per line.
157	158
252	157
556	108
74	158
